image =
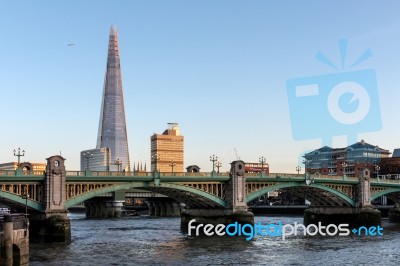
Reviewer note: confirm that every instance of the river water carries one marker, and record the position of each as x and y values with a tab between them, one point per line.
159	241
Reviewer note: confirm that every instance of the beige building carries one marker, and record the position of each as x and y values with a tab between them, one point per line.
26	166
167	150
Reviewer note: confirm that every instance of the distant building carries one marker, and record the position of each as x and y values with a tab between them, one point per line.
390	166
256	168
26	166
349	161
167	150
95	159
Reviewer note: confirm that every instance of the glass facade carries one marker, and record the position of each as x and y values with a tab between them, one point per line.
95	159
112	126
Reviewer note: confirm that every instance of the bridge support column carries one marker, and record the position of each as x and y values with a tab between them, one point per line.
53	225
150	205
157	209
394	214
8	240
176	209
362	214
236	209
103	209
168	209
163	209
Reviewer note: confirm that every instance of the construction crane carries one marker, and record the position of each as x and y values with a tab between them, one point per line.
237	156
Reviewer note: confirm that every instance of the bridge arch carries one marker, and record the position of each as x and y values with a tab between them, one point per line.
12	200
313	187
188	195
385	192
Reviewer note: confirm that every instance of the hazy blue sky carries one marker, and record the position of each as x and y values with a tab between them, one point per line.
218	68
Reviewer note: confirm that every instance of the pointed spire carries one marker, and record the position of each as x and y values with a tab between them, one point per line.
112	126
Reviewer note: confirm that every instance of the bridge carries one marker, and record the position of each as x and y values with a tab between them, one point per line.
55	190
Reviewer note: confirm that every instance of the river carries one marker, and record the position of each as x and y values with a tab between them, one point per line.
158	241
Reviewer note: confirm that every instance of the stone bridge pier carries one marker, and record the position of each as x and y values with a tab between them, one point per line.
14	240
362	214
236	209
52	224
164	208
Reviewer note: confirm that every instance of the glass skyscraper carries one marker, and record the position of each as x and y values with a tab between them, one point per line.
112	126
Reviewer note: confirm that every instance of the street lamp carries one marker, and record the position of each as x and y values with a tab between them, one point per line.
262	161
213	159
298	169
87	155
309	179
172	164
377	168
218	165
118	163
155	157
19	154
25	196
344	165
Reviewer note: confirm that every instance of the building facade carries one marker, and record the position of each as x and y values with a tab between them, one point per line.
112	125
349	161
26	166
167	150
96	159
391	166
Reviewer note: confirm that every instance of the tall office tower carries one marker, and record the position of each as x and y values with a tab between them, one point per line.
112	126
167	150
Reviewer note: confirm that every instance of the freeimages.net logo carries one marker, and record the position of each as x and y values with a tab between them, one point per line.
280	230
345	103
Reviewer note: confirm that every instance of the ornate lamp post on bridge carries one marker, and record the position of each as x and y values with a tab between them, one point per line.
87	155
25	196
155	158
377	168
172	164
262	161
118	163
19	154
213	159
218	165
298	169
344	165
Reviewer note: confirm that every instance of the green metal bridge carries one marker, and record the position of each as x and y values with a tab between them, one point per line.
196	190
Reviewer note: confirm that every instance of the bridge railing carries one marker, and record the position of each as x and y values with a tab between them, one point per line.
148	174
394	179
106	173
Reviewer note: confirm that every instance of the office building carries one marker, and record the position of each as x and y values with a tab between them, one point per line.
349	161
167	150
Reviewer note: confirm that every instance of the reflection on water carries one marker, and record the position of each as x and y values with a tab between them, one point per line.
148	241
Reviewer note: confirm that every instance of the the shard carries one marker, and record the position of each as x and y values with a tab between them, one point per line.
112	127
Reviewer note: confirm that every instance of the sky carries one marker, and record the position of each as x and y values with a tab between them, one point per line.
218	68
